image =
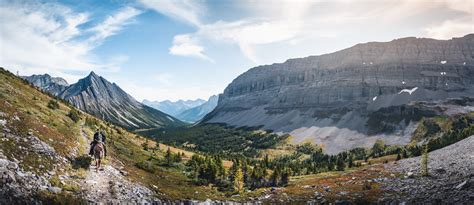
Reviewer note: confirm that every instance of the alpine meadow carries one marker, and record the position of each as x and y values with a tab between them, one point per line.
237	102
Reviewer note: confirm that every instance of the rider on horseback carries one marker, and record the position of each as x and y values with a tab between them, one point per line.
98	137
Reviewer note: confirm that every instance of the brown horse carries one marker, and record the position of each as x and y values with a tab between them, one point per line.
98	154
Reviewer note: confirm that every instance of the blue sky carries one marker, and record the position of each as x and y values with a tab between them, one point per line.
184	49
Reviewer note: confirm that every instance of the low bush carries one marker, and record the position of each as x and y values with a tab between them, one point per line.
53	104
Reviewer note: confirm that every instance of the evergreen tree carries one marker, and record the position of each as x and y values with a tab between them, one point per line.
424	160
404	153
378	148
145	144
168	157
398	156
275	177
330	164
340	164
285	178
351	161
266	161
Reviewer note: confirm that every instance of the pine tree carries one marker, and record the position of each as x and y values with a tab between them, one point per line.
168	157
405	154
340	165
239	181
275	177
285	178
424	160
266	161
378	148
351	161
145	145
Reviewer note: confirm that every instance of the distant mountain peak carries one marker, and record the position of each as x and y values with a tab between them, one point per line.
174	108
93	75
97	96
46	82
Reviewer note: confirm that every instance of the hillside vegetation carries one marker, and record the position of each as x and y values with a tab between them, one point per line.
45	140
26	112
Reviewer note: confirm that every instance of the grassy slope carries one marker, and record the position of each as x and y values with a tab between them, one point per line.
125	148
55	128
18	99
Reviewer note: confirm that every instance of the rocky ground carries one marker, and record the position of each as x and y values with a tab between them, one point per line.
105	186
18	185
109	186
450	180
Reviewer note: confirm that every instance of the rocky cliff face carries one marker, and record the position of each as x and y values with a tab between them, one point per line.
53	85
328	99
95	95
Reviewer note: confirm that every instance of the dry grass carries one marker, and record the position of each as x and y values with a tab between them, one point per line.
353	185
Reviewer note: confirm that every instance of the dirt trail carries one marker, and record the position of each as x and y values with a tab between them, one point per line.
109	186
96	184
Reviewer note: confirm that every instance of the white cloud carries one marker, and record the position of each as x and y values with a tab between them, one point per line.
187	11
112	24
46	38
300	22
451	28
183	45
456	27
184	10
248	34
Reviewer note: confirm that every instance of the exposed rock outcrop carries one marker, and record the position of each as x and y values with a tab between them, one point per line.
53	85
327	98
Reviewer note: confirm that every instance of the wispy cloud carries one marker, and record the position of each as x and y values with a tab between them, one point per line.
112	25
183	45
292	22
46	37
187	11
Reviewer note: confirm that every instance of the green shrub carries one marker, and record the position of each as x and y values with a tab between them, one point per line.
53	104
147	166
55	181
83	161
74	114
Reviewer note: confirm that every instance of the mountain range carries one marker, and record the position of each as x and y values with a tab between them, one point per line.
352	97
97	96
173	108
186	110
197	113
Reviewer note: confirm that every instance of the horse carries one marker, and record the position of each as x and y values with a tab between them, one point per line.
98	154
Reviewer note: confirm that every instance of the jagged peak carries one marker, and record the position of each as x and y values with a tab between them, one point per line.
92	74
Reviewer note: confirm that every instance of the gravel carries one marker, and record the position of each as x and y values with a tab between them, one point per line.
450	180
